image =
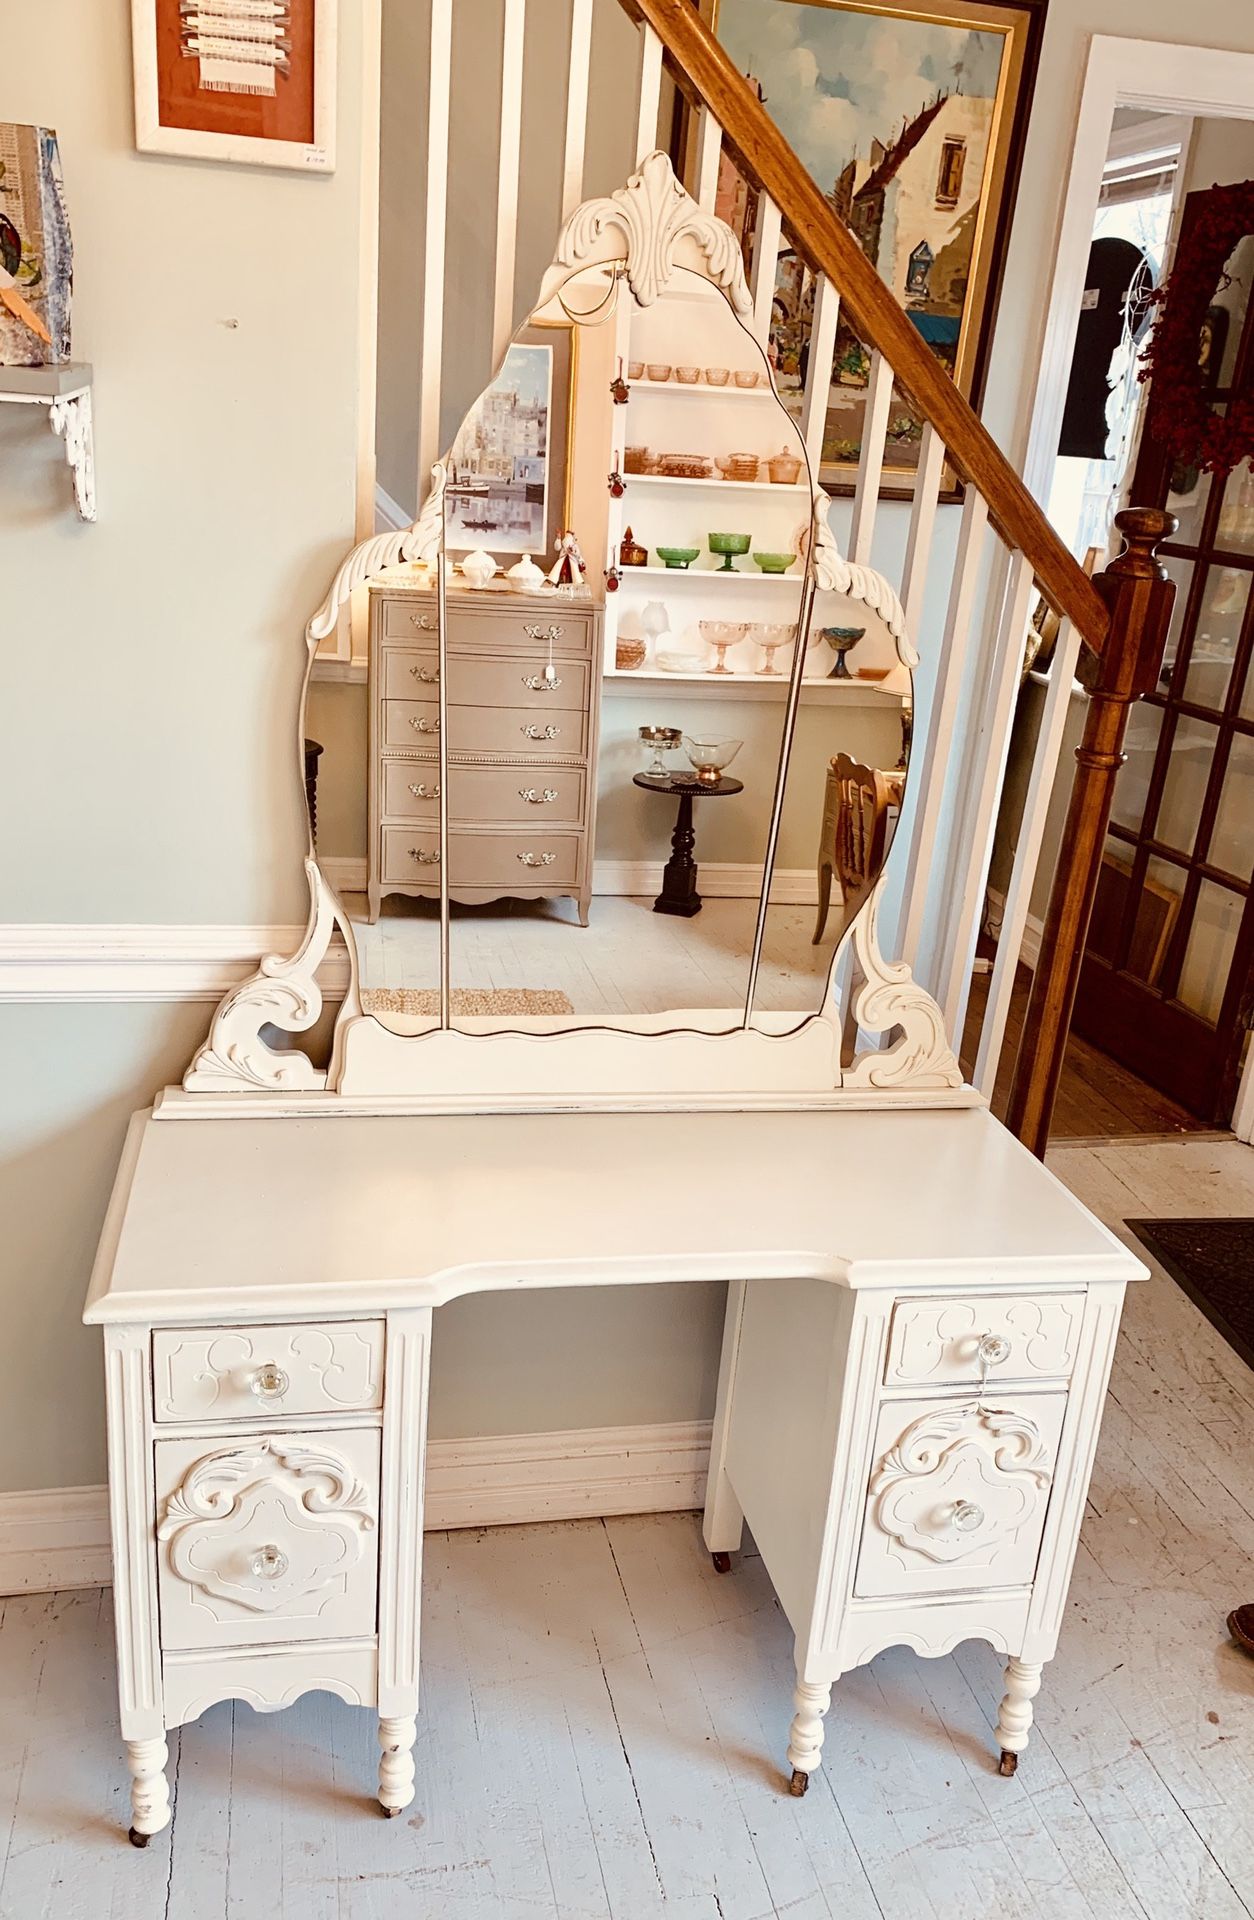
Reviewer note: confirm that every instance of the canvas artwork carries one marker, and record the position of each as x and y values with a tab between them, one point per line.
236	79
908	121
499	467
36	259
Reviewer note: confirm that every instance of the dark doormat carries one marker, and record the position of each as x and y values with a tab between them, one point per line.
1213	1260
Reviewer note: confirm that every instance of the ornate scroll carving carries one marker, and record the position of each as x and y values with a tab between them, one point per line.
834	574
891	998
648	224
960	1479
369	557
70	416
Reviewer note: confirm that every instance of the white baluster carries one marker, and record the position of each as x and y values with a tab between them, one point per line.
439	63
396	1764
508	168
1027	855
576	105
1014	1720
765	263
811	1699
650	93
817	395
150	1791
709	154
866	498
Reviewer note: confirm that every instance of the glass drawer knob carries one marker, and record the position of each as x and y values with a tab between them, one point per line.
994	1349
268	1563
968	1518
269	1382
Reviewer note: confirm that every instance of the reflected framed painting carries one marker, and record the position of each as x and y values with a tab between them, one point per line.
911	119
509	467
249	81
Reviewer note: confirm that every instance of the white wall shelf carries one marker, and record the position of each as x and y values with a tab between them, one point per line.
729	392
714	482
626	574
66	392
742	685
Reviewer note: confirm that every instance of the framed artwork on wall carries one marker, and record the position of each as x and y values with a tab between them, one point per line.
249	81
509	467
911	119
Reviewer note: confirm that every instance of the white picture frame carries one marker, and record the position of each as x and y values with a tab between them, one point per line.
152	135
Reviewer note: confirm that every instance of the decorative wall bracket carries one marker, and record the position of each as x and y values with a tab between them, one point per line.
66	392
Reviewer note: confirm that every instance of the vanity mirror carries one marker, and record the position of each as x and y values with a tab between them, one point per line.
623	563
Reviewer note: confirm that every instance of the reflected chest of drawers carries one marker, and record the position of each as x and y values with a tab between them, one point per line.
521	706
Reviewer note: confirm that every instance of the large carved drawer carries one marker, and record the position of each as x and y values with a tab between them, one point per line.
957	1342
958	1494
272	1538
233	1373
509	861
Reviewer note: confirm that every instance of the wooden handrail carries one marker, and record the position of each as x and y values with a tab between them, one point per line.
705	74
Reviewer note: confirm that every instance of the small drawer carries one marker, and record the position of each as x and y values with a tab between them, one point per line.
411	790
409	675
234	1373
407	617
517	794
477	681
273	1537
957	1342
491	628
411	724
958	1494
504	863
518	732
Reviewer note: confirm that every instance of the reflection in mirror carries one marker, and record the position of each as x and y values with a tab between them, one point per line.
615	701
842	798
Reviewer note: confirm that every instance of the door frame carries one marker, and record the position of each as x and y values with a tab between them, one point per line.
1213	82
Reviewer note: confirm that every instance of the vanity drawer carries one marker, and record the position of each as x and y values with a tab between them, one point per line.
955	1342
519	732
479	681
271	1538
407	674
523	628
411	790
958	1494
517	794
233	1373
411	724
405	617
504	862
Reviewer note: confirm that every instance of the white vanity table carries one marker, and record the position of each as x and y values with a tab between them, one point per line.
920	1319
908	1402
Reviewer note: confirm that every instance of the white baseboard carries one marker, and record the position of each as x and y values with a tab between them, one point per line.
719	880
151	963
60	1538
1033	928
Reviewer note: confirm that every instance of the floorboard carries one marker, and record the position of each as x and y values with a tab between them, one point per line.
604	1717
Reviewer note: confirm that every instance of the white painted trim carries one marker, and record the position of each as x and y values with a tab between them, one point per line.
719	880
389	515
1033	927
60	1537
144	963
439	70
577	105
508	168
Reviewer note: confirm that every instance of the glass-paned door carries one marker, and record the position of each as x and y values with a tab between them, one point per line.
1166	982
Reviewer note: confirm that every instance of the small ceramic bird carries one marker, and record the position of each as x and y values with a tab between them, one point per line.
10	261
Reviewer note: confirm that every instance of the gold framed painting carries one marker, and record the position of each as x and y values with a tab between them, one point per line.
911	120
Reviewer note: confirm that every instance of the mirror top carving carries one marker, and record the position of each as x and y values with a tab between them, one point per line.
630	791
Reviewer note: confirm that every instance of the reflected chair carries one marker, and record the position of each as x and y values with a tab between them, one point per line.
857	805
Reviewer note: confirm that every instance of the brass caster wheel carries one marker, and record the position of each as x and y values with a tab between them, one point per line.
138	1839
722	1562
798	1784
390	1813
1008	1764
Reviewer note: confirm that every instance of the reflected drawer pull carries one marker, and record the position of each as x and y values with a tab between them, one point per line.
424	622
551	635
535	799
425	674
425	726
542	682
537	859
967	1517
422	792
424	858
993	1350
534	732
268	1563
268	1382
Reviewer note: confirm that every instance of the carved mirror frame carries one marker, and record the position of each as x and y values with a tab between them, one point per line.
646	231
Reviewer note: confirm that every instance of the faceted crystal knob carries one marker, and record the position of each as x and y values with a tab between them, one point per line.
994	1350
968	1518
268	1563
269	1382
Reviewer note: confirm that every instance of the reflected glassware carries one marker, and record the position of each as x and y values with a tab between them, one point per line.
478	568
711	758
841	640
660	740
678	558
773	562
784	468
722	634
654	619
745	378
716	376
728	544
771	637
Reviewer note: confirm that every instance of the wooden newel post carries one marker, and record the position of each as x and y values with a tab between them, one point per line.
1139	595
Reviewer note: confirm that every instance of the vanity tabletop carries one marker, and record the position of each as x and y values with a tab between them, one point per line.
297	1216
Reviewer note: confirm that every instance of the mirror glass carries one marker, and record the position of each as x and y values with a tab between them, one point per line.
591	757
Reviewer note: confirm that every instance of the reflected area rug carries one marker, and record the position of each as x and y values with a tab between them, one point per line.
1213	1260
486	1002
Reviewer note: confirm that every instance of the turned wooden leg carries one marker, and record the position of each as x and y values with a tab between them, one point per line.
396	1764
805	1740
1023	1683
150	1793
825	900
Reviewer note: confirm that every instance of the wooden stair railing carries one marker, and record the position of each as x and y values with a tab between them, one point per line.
1121	617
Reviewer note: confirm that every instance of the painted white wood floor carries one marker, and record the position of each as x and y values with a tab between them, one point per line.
604	1718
